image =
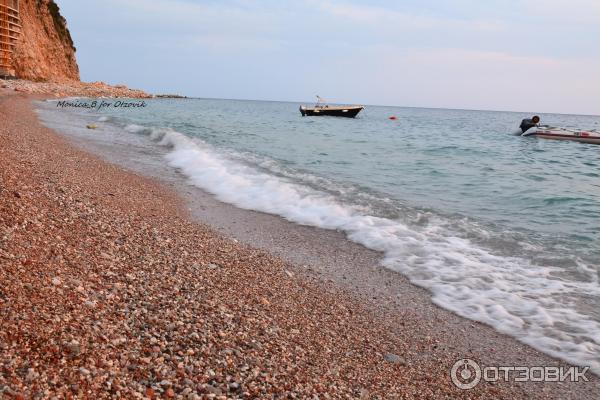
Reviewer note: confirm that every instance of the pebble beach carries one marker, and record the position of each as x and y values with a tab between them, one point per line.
109	289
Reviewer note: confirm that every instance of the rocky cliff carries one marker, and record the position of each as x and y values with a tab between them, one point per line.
45	50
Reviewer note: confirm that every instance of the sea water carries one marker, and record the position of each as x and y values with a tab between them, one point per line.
499	228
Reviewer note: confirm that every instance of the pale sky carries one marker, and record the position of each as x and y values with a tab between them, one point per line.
520	55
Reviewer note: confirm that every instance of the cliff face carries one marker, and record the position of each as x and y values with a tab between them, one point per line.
45	50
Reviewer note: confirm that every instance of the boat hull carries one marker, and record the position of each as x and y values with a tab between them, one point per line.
346	112
591	137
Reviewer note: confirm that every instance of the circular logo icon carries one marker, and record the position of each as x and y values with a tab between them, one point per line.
465	374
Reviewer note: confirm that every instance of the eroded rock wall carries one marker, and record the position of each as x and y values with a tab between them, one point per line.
45	50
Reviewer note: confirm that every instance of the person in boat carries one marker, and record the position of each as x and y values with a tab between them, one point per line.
529	123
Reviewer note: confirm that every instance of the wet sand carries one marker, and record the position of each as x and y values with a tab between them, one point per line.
119	285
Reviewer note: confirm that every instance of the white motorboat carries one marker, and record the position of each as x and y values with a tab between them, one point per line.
550	132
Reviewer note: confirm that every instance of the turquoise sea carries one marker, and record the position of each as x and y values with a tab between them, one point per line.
499	228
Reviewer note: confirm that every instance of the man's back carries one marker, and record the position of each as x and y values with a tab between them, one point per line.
528	123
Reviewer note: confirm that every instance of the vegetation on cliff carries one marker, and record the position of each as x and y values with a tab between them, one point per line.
60	24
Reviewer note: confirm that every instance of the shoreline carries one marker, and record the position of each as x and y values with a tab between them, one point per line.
335	261
427	338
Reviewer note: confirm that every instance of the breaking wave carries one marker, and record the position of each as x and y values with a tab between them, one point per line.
517	297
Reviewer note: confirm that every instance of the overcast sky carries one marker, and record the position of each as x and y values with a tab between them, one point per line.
522	55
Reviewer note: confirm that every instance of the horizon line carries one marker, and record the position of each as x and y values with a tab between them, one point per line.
399	106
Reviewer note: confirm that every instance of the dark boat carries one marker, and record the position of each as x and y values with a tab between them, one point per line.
320	109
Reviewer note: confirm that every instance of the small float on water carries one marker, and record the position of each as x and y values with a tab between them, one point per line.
322	109
550	132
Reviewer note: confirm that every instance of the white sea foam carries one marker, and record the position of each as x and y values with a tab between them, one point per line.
133	128
530	302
